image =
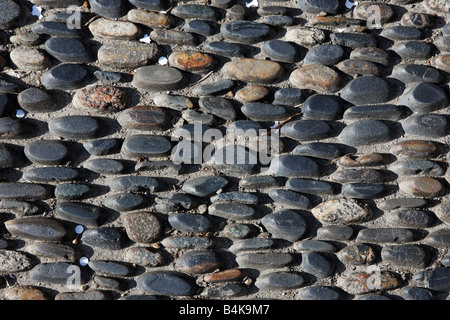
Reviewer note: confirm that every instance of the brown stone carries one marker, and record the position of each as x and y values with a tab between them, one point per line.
254	70
366	10
357	254
365	282
146	118
335	21
150	19
417	149
111	29
24	293
251	93
316	77
191	61
29	59
341	211
425	187
307	37
101	98
442	62
126	54
229	275
363	160
142	227
358	67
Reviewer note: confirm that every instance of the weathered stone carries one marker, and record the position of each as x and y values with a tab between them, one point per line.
290	199
144	118
358	190
106	238
258	111
385	235
306	130
424	97
51	174
37	100
416	149
357	67
14	261
285	224
417	20
317	265
407	255
74	127
126	54
188	242
65	76
229	275
167	283
101	98
435	279
439	238
442	211
314	245
218	106
357	254
232	289
68	50
364	282
309	186
365	10
316	77
191	61
102	147
245	31
194	11
87	295
187	222
24	293
281	280
413	50
111	9
55	29
321	107
376	55
238	231
224	48
29	59
401	33
147	146
198	262
268	260
254	70
294	166
56	273
215	88
124	201
367	90
335	232
258	182
365	132
307	37
82	213
23	191
341	211
374	112
234	211
280	51
359	175
173	102
364	160
204	186
317	6
172	37
417	167
353	40
428	125
114	30
158	78
146	257
401	203
425	187
317	293
55	251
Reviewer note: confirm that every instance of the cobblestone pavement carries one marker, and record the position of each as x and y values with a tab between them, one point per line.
220	149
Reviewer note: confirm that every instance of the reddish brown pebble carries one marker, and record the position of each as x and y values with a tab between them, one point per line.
142	227
226	276
365	282
366	11
418	149
316	77
363	160
254	70
102	98
358	67
425	187
191	61
146	118
251	93
24	293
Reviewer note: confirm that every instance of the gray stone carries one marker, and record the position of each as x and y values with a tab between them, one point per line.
218	106
416	293
367	90
412	50
195	11
247	32
424	97
411	73
198	26
236	197
320	150
56	273
306	130
104	166
399	203
82	213
364	132
172	37
134	184
204	186
51	174
74	127
314	245
146	257
187	222
217	87
167	283
417	167
316	264
126	54
238	231
290	199
54	29
428	125
111	9
174	202
341	211
23	191
150	5
101	147
258	111
224	48
294	166
374	112
317	293
253	244
335	232
357	254
72	191
289	97
39	228
326	54
173	102
124	201
147	146
401	33
53	251
65	76
232	289
363	190
309	186
199	261
439	238
281	280
14	261
277	21
67	50
105	238
111	268
11	12
37	100
407	255
317	6
235	211
187	242
269	260
321	107
359	175
385	235
158	78
8	158
353	40
285	224
437	279
280	51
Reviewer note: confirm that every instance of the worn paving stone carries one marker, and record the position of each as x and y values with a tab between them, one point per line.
47	152
54	251
167	283
191	61
316	264
317	293
353	40
397	33
158	78
425	187
365	282
280	51
234	211
317	6
148	146
66	76
172	37
357	67
186	222
385	235
105	237
413	50
82	213
144	118
376	55
320	150
37	100
269	260
316	77
109	9
246	32
115	30
51	174
39	228
363	132
254	71
307	37
218	106
285	224
357	254
424	97
341	211
367	90
126	54
99	147
374	112
407	255
67	50
124	201
199	261
25	293
258	111
29	59
364	10
54	29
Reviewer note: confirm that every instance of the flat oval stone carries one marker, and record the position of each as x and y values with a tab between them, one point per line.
150	19
224	48
54	29
254	71
258	111
258	182
318	150
357	254
67	50
51	174
142	227
416	293
234	211
290	199
157	78
199	27
171	37
187	222
114	30
167	283
146	257
37	100
39	228
309	186
74	127
285	224
88	295
367	90
364	11
417	167
24	293
280	51
317	293
215	88
126	54
314	245
194	11
228	275
401	203
407	255
307	37
365	132
321	107
100	147
412	73
198	262
317	6
218	106
425	187
253	244
341	211
124	201
426	125
424	97
363	190
335	232
412	50
173	102
204	186
82	213
111	268
294	166
385	235
247	32
263	260
28	39
401	33
134	184
146	146
191	61
359	175
306	130
53	251
353	40
356	67
363	160
435	279
101	98
23	191
325	54
104	166
105	237
365	282
111	9
289	97
187	242
29	59
316	77
374	112
65	76
440	238
14	261
72	191
8	158
232	289
410	218
282	280
376	55
238	231
416	149
316	264
55	272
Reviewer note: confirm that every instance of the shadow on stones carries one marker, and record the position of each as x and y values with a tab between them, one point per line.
33	128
